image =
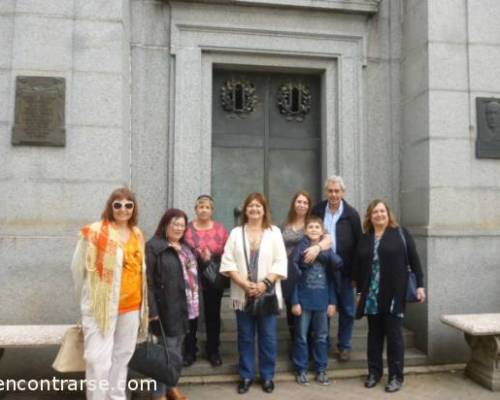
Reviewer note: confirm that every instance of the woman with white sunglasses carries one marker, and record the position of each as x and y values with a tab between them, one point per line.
109	272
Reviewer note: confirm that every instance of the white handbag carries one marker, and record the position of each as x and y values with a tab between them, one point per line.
70	355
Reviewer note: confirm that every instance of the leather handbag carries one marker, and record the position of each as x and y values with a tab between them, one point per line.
211	273
70	355
411	286
264	305
155	361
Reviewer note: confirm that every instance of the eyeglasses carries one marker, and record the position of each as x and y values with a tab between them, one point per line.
179	225
117	205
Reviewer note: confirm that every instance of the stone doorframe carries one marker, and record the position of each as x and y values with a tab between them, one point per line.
239	36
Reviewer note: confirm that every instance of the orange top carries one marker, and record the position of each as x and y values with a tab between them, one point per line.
131	285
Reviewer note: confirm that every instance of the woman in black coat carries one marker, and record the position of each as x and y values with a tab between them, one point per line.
380	275
173	288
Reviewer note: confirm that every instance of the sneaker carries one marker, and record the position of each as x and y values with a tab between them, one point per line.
302	379
322	378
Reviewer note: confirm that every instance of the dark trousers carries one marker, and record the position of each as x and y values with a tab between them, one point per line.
190	338
382	326
212	301
290	319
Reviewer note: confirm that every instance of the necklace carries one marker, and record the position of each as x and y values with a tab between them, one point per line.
254	237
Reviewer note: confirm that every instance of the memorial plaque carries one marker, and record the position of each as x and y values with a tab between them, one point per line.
39	111
488	127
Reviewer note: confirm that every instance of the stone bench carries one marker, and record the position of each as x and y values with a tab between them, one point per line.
482	334
30	335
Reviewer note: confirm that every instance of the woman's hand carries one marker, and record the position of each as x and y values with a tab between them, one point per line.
256	289
421	295
206	254
248	287
331	310
297	310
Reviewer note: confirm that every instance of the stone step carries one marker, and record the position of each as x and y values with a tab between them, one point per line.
228	345
228	322
201	367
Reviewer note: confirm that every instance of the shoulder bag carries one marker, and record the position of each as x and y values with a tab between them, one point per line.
154	360
211	273
411	286
70	355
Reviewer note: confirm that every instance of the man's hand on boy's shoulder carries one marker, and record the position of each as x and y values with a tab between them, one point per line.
311	253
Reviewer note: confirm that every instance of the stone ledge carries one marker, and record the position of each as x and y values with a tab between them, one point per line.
368	7
474	324
31	335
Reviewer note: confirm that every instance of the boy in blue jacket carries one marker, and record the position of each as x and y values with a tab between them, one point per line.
313	302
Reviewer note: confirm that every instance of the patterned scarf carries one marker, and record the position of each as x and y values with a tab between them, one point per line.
190	272
100	264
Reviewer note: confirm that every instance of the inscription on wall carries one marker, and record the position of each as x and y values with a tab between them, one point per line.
39	111
488	127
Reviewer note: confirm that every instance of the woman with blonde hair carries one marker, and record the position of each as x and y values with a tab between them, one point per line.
207	238
255	260
110	278
380	274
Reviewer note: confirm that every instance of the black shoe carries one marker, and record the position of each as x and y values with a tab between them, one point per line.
371	381
244	385
214	360
189	360
268	386
393	386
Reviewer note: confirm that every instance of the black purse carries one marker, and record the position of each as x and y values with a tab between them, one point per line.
411	286
266	304
211	273
154	360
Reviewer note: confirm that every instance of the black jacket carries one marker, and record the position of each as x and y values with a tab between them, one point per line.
167	288
347	233
393	269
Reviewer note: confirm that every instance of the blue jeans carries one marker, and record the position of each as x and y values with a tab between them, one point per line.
266	328
346	303
319	322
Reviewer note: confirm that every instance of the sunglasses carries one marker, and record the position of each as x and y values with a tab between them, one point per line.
117	205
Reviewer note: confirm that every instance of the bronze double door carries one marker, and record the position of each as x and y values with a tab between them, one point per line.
266	138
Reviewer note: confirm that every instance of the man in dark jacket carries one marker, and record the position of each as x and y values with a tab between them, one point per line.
344	225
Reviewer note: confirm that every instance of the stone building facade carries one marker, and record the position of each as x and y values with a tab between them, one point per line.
384	95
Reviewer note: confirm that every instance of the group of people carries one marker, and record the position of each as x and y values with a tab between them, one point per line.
318	264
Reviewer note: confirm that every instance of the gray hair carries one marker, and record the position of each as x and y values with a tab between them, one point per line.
334	179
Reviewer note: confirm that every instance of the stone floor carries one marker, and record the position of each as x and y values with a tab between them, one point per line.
442	386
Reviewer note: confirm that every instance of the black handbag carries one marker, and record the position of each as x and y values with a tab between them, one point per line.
266	304
211	273
411	286
154	360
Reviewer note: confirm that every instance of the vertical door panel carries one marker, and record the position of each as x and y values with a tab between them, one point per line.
236	172
270	149
290	171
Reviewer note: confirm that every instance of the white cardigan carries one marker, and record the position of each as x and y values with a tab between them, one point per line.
272	259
